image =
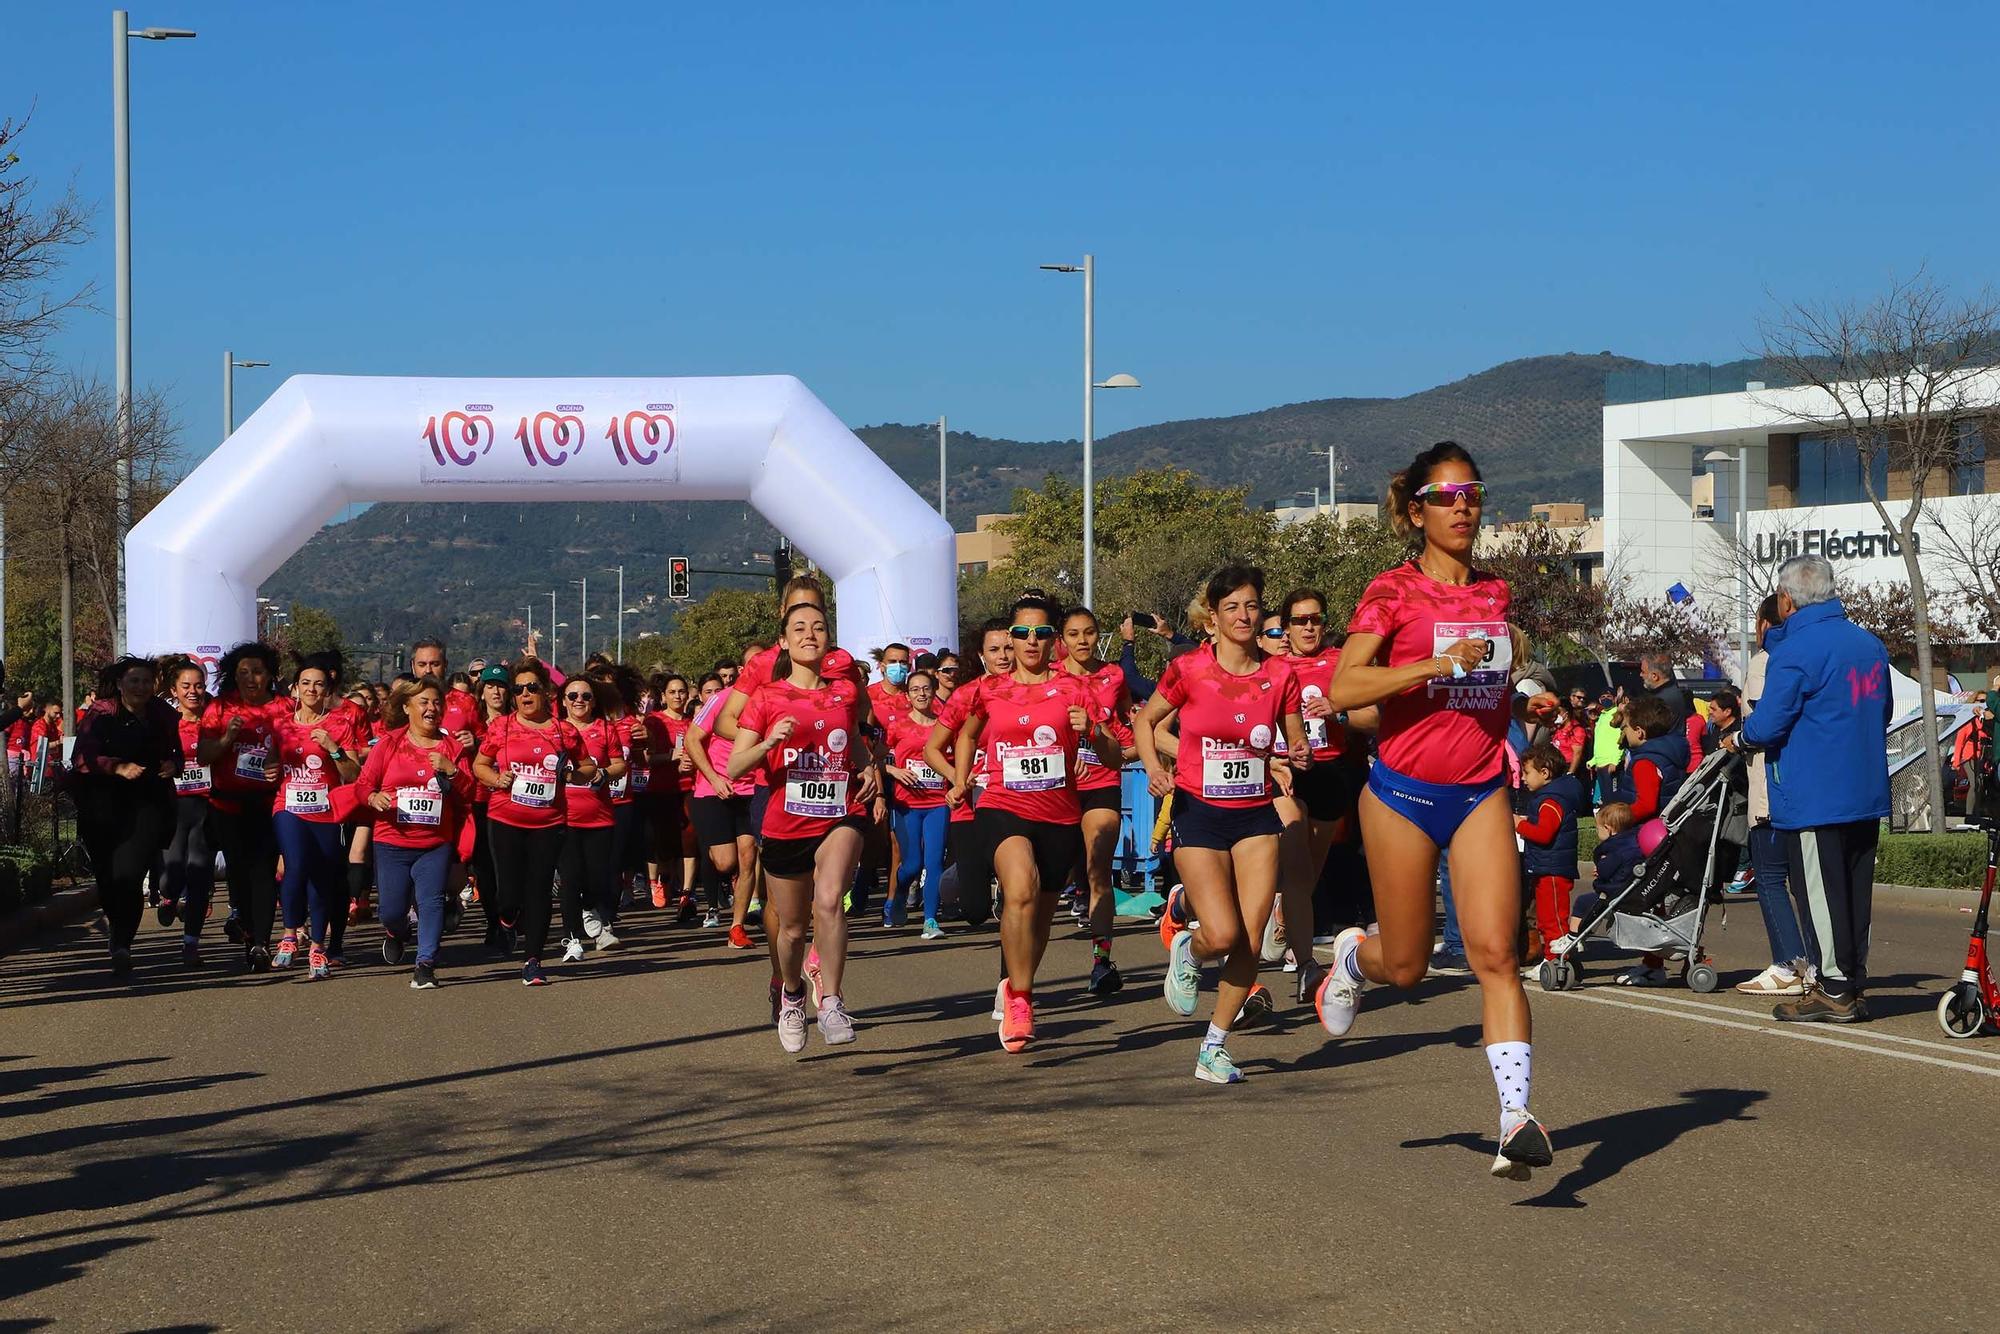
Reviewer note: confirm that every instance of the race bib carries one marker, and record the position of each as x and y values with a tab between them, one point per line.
1033	768
193	780
537	790
923	776
250	762
1498	657
819	795
1232	774
620	786
641	779
1086	755
308	798
1316	733
419	806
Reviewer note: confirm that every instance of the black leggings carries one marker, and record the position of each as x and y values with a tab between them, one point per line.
188	870
483	871
525	861
250	846
973	856
588	881
630	840
123	832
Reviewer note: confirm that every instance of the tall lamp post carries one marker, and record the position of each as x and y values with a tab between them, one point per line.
942	514
1090	387
620	571
583	615
1332	477
1741	506
121	215
229	365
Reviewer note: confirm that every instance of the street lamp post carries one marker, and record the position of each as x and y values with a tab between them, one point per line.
942	514
583	615
121	217
1332	478
621	609
229	365
530	609
1090	387
1741	517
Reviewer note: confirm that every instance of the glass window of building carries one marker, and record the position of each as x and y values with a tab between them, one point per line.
1968	475
1830	471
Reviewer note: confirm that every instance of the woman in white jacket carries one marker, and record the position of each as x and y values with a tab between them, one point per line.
1767	852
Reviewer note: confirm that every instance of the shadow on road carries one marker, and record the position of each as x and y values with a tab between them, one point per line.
1617	1141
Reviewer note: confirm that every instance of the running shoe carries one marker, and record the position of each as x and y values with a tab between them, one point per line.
1017	1029
259	958
1000	1001
1450	963
1563	944
190	952
606	938
932	931
792	1023
121	963
1213	1066
1339	995
710	920
659	893
1522	1149
756	907
469	895
1173	917
510	940
1257	1006
454	913
686	913
739	939
317	967
1105	980
572	950
836	1026
812	973
1774	981
1079	909
166	911
1639	975
532	974
1310	976
1183	980
232	928
592	924
425	977
1274	941
392	948
288	948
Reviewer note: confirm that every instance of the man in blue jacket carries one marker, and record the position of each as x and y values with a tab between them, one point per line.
1821	723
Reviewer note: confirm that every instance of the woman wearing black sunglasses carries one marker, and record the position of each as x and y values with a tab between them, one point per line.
1430	645
1032	722
526	758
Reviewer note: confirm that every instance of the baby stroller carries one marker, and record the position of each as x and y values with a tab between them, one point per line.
1662	910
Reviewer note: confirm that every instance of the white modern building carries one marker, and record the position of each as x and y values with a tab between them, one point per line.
1675	511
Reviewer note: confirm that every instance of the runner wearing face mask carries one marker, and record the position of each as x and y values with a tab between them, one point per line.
888	699
314	754
238	731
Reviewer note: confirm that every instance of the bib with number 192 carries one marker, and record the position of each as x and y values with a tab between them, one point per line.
1032	768
923	776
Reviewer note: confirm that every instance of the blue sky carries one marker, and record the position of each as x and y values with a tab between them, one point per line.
1286	202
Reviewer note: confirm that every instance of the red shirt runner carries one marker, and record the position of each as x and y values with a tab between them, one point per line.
590	807
1228	725
1327	736
193	779
812	780
305	787
427	812
1107	688
536	756
906	747
1031	747
240	775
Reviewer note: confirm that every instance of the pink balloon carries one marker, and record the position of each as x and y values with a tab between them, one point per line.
1651	835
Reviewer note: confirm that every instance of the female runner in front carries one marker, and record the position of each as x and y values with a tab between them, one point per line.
238	730
804	730
314	754
588	877
1097	787
921	815
1031	722
526	758
419	791
1232	705
1430	645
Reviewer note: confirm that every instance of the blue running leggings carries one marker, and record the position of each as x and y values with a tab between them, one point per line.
404	873
921	835
315	883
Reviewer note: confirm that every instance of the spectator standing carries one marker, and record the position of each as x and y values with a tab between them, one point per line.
1767	851
1826	701
1607	746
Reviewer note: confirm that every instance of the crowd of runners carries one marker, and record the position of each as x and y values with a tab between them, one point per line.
776	793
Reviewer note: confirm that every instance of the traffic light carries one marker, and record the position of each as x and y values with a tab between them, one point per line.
677	578
781	565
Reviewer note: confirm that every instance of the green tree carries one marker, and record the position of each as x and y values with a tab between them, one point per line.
308	631
1337	559
718	626
1559	611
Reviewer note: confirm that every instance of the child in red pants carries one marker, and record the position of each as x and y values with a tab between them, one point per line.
1548	841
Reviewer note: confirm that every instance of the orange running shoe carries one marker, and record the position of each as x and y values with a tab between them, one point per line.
739	939
1017	1030
659	894
1173	917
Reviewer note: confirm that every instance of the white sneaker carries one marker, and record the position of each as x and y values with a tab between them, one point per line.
1000	1001
572	950
592	924
1562	944
605	940
1638	975
1774	981
792	1023
1274	941
835	1025
467	896
711	920
1339	996
1523	1148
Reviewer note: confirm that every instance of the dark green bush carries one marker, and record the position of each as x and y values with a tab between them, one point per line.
1936	861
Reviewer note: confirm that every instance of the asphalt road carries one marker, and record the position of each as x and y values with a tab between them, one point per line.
629	1149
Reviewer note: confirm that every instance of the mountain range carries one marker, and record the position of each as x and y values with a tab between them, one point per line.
472	572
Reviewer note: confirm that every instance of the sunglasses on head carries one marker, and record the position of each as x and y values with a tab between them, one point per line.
1443	495
1309	619
1032	631
526	687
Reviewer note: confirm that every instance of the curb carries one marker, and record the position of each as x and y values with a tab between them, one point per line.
69	905
1918	896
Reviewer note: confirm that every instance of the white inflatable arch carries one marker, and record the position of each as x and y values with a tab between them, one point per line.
323	441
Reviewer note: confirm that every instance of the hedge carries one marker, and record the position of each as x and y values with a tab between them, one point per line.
1930	861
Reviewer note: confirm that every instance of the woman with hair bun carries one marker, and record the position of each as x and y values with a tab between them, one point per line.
1431	646
239	735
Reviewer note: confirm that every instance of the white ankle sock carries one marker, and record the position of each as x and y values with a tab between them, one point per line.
1513	1067
1215	1038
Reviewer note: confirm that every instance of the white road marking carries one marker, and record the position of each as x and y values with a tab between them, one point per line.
1970	1047
1772	1029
